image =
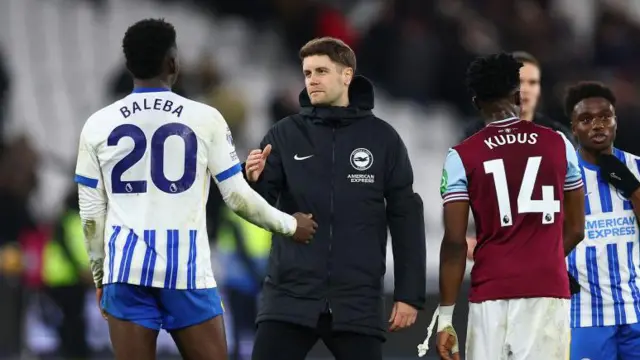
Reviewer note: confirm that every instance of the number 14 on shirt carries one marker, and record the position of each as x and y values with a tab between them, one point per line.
547	206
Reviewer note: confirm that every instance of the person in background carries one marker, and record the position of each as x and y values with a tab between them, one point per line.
66	277
18	162
242	250
530	90
605	313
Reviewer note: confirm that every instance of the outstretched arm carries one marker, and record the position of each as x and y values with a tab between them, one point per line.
236	192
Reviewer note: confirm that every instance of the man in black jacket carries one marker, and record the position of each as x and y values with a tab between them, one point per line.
530	94
337	161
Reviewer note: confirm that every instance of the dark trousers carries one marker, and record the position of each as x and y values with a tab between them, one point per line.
11	306
286	341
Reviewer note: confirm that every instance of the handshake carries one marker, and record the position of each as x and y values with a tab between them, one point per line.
254	166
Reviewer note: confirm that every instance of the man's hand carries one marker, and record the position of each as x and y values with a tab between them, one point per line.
471	246
99	299
447	344
402	316
616	173
255	163
306	227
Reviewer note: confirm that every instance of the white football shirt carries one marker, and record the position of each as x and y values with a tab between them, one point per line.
153	153
607	262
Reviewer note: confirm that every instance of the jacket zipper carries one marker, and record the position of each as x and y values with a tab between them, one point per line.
333	171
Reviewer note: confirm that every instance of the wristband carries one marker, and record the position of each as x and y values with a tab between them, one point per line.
445	317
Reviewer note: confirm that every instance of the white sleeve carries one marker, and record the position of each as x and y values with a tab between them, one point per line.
93	211
88	171
92	201
236	192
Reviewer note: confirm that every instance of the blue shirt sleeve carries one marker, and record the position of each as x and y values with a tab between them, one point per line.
453	184
573	179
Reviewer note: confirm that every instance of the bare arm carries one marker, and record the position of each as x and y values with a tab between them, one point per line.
573	227
573	230
453	252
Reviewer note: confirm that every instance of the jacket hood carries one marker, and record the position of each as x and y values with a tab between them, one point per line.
361	102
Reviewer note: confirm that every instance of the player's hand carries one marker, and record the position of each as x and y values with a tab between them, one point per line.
447	344
306	227
99	299
255	163
471	246
402	316
616	173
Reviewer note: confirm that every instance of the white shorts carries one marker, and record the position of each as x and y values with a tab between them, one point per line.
519	329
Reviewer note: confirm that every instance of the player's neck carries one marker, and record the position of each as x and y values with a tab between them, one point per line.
150	84
499	116
527	116
591	156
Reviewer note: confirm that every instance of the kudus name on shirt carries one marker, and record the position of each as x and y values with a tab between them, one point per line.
508	139
151	104
610	227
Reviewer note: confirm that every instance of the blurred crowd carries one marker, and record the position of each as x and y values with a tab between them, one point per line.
415	51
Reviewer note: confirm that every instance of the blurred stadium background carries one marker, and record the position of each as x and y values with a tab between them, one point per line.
60	60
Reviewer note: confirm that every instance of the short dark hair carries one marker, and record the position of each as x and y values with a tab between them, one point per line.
337	50
525	58
584	90
145	46
493	77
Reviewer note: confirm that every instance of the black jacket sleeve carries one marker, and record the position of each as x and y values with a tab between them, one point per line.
271	181
405	216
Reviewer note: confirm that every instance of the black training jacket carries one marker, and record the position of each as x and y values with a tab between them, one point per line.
351	171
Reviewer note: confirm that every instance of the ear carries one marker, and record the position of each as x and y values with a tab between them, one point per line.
573	126
516	98
172	65
347	75
476	103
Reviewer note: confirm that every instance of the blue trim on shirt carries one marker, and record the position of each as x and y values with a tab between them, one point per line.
149	90
616	152
586	164
83	180
237	168
456	173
